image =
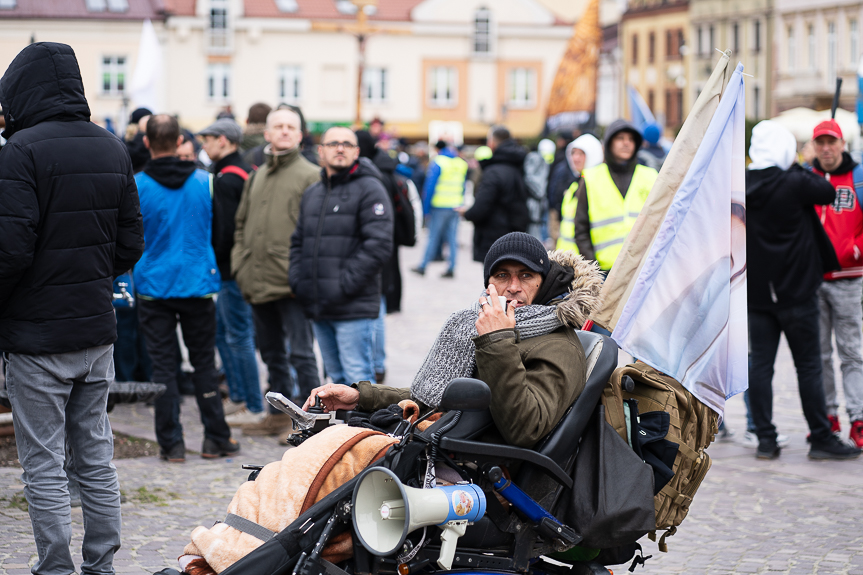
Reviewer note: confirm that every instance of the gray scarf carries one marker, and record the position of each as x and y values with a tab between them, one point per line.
453	353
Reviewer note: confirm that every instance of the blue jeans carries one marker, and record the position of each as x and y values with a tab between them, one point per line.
235	338
800	325
347	349
443	226
284	332
380	352
56	399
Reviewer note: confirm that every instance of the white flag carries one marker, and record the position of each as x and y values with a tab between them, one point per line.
148	71
686	314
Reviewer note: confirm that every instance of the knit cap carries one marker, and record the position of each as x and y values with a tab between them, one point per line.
520	247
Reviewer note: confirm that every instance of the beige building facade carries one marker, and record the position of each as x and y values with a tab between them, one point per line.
816	42
746	28
653	37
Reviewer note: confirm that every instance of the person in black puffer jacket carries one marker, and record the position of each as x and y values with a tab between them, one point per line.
344	237
71	223
500	202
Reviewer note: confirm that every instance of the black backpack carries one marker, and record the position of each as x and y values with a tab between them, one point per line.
404	222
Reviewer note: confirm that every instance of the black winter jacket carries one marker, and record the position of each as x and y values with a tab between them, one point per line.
500	204
787	249
227	190
70	221
344	237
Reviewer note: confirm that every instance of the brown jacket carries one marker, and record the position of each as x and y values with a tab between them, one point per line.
266	218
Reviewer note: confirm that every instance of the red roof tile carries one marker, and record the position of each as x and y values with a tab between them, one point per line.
77	9
392	10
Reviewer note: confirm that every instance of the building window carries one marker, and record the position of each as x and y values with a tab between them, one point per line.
711	38
375	88
443	86
482	31
792	48
218	82
113	75
8	4
287	6
651	99
756	42
651	47
831	52
634	49
853	42
756	97
811	40
700	39
290	84
735	37
522	88
218	24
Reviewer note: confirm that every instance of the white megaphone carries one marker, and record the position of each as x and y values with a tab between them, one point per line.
385	511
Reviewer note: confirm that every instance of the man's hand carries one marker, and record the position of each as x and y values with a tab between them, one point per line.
334	396
492	317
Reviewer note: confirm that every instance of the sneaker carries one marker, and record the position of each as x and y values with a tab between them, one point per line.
244	417
272	424
232	407
212	450
833	448
856	434
750	439
725	434
767	449
380	376
176	454
448	275
419	271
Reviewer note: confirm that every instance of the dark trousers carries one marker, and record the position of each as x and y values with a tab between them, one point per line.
283	331
800	326
197	317
131	361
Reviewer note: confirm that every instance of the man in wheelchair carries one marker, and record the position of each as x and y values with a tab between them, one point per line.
507	444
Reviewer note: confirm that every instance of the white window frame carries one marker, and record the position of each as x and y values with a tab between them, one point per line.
219	26
446	94
853	42
521	88
290	84
832	53
376	88
114	65
791	48
218	88
482	32
810	40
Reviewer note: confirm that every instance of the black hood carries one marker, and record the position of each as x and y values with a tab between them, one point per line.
43	83
384	162
613	129
761	185
507	152
362	167
846	166
170	171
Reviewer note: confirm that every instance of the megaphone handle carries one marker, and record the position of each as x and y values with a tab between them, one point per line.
448	542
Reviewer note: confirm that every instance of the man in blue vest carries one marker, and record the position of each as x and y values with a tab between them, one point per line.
443	193
176	279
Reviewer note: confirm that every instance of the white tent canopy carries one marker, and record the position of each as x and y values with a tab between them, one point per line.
802	121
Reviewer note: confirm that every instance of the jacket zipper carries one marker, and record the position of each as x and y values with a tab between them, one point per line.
317	245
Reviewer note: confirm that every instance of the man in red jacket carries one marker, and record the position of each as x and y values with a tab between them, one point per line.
839	296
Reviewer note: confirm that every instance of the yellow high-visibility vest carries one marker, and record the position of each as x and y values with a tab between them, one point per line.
611	215
449	190
566	239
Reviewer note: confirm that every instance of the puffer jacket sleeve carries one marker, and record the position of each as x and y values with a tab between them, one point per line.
375	230
295	269
486	197
19	217
130	228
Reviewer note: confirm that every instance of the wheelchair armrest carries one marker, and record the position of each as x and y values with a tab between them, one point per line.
546	464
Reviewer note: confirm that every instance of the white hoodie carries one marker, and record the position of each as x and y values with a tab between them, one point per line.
772	145
592	149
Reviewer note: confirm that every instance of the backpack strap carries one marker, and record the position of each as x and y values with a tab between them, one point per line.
236	170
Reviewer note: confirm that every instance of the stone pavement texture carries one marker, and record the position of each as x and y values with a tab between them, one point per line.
791	515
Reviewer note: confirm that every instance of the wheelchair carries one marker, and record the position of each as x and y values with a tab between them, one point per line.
520	532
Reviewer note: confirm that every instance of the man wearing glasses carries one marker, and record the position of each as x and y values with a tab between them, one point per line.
343	238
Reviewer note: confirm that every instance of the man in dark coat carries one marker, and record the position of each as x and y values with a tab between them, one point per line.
343	239
788	252
500	202
70	222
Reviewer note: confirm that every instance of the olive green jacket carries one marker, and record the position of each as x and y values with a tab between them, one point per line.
266	219
533	382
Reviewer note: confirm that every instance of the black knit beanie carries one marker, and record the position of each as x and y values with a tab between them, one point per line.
520	247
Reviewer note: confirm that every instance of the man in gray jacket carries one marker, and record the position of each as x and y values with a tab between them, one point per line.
266	218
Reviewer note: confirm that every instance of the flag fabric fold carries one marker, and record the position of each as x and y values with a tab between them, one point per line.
686	311
639	111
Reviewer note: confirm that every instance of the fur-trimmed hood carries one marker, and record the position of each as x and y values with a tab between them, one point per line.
584	295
